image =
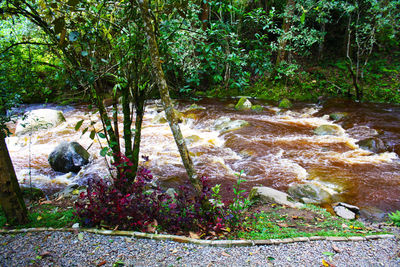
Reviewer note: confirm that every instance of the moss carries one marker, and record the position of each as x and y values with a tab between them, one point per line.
285	103
257	108
243	104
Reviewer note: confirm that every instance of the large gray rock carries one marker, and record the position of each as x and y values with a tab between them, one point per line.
346	211
39	119
68	157
225	124
328	129
267	195
309	193
372	144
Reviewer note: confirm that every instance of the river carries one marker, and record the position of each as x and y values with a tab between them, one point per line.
278	148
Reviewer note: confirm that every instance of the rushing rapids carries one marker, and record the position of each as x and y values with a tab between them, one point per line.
277	148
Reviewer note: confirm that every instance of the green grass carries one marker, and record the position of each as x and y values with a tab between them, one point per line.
272	225
46	216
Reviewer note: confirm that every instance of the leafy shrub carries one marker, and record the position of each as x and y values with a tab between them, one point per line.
395	217
138	206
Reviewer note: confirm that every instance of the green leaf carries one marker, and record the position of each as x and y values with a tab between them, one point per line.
101	135
78	125
303	18
104	151
92	134
327	253
73	36
85	130
84	53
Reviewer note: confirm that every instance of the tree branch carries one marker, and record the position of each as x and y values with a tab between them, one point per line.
21	43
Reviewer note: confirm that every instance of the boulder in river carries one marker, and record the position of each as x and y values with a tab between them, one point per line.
68	157
265	194
257	108
309	193
328	129
225	124
39	119
285	104
372	144
160	118
338	115
243	104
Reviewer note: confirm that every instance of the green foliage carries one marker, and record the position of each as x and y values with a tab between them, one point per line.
395	217
274	224
46	216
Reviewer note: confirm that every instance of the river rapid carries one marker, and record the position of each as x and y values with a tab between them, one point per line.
277	149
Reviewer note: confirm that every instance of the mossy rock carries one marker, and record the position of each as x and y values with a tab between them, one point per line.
285	103
338	115
257	108
243	104
192	139
32	193
373	144
309	193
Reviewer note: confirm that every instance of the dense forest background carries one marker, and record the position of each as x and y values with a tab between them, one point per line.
58	50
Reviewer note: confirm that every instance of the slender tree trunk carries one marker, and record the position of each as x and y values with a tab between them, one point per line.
10	194
287	23
164	93
126	111
140	98
205	11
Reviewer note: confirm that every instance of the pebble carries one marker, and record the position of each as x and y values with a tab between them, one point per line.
67	249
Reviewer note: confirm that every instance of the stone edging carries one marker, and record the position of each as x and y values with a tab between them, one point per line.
214	243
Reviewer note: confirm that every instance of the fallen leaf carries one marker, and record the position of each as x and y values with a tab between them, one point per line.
101	263
45	253
194	235
225	254
80	236
325	263
174	251
46	202
336	249
283	225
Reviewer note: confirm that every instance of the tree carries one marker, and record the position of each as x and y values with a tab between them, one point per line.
148	27
10	194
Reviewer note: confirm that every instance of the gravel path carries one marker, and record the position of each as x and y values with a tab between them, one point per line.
86	249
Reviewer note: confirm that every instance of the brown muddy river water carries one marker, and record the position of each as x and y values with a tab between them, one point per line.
278	148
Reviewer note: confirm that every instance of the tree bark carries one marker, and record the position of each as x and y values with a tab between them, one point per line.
287	23
164	93
10	194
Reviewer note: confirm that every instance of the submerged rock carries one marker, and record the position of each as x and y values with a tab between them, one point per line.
338	115
160	118
328	129
265	194
68	157
257	108
372	144
225	124
285	103
192	139
309	193
71	191
243	104
39	119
